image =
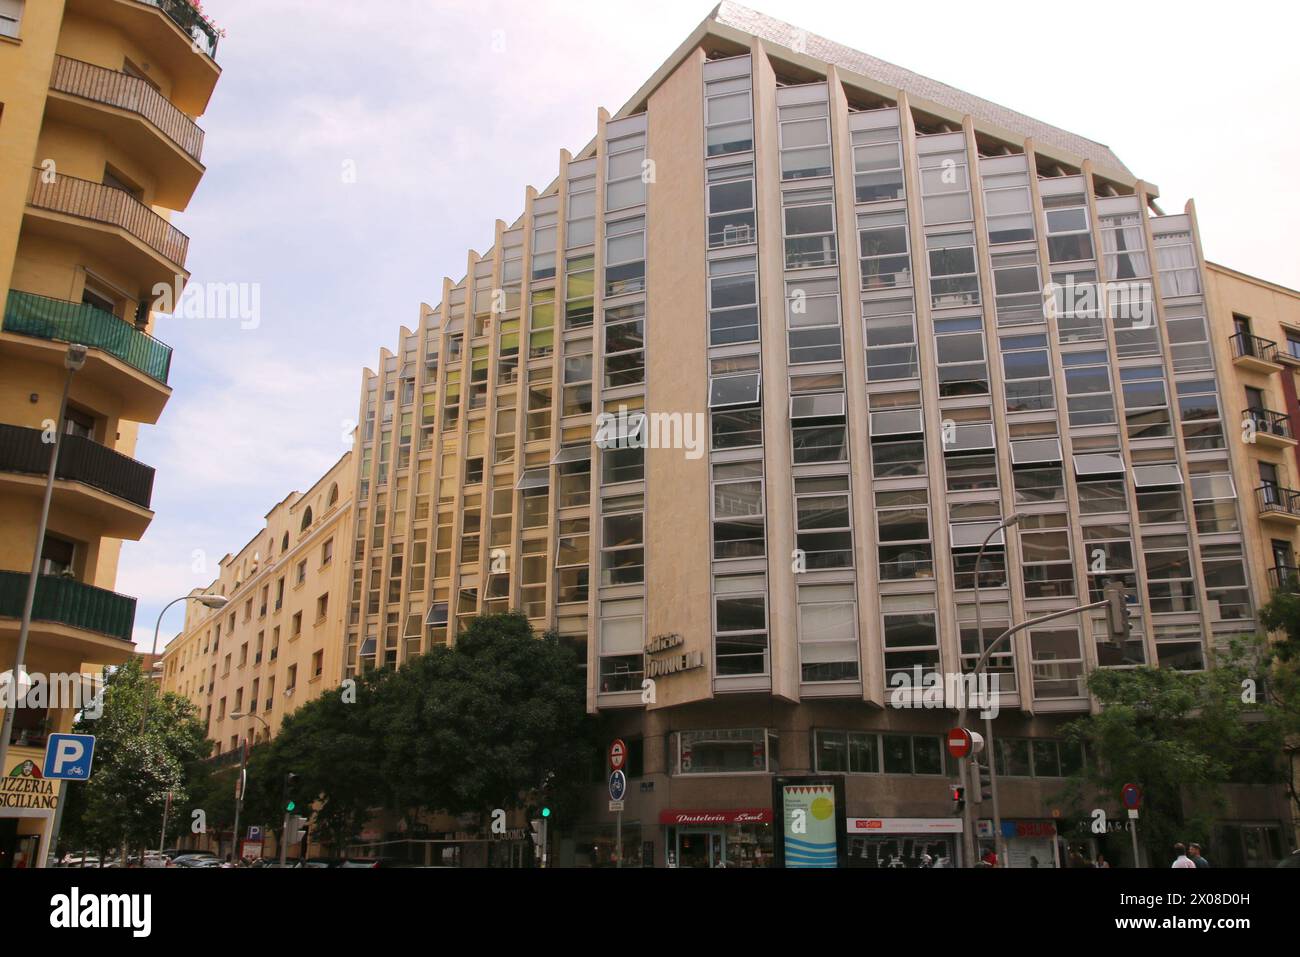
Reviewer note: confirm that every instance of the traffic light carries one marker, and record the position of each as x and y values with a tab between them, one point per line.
546	812
1118	616
290	792
985	791
958	798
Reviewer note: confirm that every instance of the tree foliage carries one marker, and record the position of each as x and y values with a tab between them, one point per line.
121	806
1180	736
487	724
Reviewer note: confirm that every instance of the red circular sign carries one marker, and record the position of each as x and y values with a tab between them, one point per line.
959	742
1132	796
617	755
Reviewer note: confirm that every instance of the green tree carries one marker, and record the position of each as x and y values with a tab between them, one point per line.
487	723
1280	670
121	806
1180	736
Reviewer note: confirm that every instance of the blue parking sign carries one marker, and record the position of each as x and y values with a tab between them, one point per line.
68	757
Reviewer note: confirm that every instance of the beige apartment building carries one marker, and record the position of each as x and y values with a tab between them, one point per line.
734	404
277	644
98	144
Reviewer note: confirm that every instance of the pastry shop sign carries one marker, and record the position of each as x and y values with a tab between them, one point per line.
747	816
663	658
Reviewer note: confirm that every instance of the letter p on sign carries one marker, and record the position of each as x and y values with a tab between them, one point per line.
68	757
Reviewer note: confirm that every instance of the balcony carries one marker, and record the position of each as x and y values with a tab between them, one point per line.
108	221
185	16
1253	353
122	511
173	36
131	113
1278	504
129	363
1271	428
75	611
1285	578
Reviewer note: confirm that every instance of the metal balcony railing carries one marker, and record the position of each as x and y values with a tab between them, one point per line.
1274	423
185	16
1275	498
1246	346
61	193
1285	578
127	92
44	318
66	601
80	460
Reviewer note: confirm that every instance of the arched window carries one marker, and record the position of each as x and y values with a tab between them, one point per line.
306	519
284	543
334	494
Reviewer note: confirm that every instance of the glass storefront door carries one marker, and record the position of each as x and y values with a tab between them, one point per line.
700	848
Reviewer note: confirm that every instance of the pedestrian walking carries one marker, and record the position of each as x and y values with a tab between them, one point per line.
1194	852
1180	857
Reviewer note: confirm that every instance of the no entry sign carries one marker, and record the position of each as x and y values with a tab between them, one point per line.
959	742
617	755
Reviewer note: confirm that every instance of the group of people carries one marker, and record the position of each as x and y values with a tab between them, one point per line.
1189	856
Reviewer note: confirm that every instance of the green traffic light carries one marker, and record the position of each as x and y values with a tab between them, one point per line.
292	805
546	812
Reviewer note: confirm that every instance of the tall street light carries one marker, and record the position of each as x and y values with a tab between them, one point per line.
73	360
998	841
243	769
215	602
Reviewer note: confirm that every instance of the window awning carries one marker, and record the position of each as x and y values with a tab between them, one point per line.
535	478
572	453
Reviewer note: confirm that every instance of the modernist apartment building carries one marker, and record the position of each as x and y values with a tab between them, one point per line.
840	270
277	644
98	141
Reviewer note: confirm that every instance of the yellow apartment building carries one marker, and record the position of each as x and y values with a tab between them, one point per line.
98	143
278	643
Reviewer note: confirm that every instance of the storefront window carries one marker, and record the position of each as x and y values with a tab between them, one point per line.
732	751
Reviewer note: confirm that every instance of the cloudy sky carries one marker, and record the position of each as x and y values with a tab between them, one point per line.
448	109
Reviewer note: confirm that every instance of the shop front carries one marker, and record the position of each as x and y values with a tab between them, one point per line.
727	838
901	843
1029	844
27	806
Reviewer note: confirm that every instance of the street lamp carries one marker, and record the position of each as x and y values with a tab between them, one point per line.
73	360
215	602
998	842
243	767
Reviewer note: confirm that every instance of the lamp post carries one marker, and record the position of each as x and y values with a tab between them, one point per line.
73	360
998	841
215	602
243	768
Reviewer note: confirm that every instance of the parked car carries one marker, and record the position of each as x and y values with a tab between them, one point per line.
198	860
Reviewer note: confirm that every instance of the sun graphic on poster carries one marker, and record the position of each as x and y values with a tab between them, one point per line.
822	808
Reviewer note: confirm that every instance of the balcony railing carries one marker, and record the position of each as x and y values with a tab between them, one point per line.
122	90
44	318
1285	578
1246	346
1274	423
66	601
80	460
61	193
1275	498
183	14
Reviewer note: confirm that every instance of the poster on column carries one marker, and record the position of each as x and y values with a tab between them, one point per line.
812	821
